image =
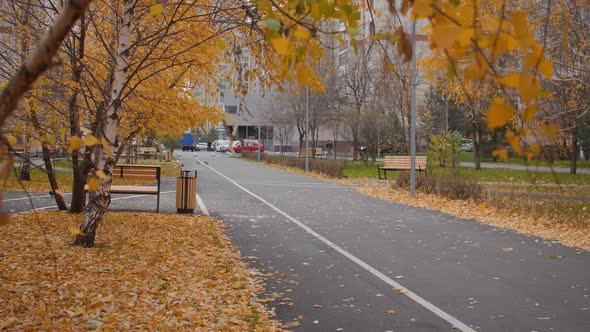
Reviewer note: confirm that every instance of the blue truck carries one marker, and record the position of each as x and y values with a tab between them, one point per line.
189	142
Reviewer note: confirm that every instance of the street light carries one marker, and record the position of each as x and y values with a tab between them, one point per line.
413	74
307	130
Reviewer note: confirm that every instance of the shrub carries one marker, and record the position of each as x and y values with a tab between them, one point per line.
444	150
326	166
453	187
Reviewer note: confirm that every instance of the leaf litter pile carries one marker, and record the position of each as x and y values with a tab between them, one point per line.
575	234
147	272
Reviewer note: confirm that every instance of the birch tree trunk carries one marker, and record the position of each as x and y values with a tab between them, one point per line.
79	167
101	199
42	58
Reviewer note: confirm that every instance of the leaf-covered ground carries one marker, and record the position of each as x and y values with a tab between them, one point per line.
151	272
576	234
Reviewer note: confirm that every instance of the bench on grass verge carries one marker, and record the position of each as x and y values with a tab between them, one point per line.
136	172
147	152
401	163
318	152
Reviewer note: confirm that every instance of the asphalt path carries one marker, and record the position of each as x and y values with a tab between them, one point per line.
338	259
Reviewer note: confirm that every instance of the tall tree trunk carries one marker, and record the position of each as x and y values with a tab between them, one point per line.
575	152
79	168
476	146
101	199
59	198
25	168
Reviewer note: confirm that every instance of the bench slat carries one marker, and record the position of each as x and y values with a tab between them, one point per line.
131	190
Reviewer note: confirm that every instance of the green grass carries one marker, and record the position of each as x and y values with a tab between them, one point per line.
39	181
168	168
369	170
469	157
358	169
516	176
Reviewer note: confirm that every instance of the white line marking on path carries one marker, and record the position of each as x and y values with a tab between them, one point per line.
112	199
434	309
202	205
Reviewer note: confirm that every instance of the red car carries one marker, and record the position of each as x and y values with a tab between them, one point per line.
249	145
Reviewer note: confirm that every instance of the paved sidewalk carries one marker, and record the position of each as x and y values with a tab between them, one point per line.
332	254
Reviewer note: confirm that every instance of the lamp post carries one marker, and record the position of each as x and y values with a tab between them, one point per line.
307	130
413	114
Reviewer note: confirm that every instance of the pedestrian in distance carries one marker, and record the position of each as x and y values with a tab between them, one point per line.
329	148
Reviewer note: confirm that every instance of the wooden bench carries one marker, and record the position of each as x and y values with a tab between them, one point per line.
147	152
139	172
318	152
399	163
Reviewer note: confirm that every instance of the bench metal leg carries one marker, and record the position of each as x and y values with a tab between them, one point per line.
379	172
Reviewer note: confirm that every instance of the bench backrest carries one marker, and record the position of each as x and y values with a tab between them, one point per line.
316	151
147	150
140	172
144	172
403	162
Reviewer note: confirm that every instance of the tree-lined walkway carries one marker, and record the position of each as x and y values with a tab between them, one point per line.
316	241
337	259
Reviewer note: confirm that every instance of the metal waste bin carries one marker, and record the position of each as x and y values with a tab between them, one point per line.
186	192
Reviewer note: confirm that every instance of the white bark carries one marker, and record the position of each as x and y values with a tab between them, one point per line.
101	199
42	58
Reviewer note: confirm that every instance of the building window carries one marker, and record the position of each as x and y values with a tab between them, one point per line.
231	109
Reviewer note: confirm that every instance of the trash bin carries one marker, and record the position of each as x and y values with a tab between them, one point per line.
186	192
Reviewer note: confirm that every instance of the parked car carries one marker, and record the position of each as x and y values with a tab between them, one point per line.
202	146
249	145
466	145
220	145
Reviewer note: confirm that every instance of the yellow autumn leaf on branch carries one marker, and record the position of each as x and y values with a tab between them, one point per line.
75	143
511	80
422	9
500	153
546	68
529	88
157	9
11	140
530	113
100	174
550	131
302	33
93	184
90	140
220	43
499	113
282	45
